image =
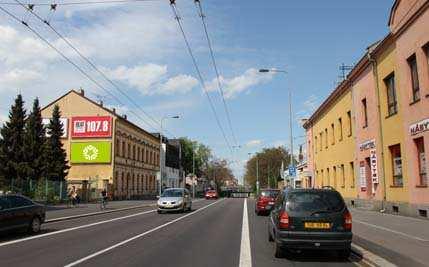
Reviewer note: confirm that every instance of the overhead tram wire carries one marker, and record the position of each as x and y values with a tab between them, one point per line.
70	61
220	87
83	2
88	61
200	77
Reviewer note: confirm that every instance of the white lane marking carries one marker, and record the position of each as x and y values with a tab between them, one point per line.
72	228
372	259
139	236
390	230
245	251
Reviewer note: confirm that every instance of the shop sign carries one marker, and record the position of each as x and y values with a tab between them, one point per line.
373	160
367	145
362	176
92	126
91	152
64	122
419	127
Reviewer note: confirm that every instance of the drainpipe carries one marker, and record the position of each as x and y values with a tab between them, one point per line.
374	63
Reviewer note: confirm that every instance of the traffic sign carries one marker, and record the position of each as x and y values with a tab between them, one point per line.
292	171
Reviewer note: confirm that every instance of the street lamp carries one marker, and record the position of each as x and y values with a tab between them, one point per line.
290	116
160	150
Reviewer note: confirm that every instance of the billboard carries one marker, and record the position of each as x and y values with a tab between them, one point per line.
91	126
91	152
64	122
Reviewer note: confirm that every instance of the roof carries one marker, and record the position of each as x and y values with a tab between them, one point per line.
114	114
392	12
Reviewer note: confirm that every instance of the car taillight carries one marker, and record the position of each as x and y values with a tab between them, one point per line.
347	221
284	220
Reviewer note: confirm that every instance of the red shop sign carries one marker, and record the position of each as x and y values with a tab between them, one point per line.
92	126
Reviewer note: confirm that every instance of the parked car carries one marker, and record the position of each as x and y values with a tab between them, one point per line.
211	194
175	199
310	219
19	212
265	201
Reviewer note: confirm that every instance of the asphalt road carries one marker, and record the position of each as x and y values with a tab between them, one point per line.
209	236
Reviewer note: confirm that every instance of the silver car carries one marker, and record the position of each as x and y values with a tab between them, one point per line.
175	199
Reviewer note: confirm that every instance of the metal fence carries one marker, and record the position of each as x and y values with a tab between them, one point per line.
43	190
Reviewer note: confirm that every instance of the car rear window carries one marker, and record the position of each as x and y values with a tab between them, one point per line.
269	193
308	201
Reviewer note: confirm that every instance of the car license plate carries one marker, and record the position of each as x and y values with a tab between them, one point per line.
317	225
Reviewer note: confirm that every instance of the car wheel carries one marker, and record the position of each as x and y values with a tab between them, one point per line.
190	207
159	212
278	251
184	208
35	225
345	253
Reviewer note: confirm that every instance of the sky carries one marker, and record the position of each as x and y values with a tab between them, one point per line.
140	48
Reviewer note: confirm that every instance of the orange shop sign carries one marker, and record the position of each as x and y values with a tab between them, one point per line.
419	127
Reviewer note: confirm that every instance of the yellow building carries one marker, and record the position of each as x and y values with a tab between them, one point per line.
105	150
332	142
395	165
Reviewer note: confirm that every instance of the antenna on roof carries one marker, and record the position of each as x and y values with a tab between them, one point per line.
344	70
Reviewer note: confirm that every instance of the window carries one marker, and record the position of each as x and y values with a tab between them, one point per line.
395	153
349	122
134	152
332	134
334	174
392	105
16	201
352	174
421	158
326	138
117	147
343	176
426	49
138	154
340	126
365	113
129	151
123	149
313	201
322	177
412	62
315	144
328	178
321	143
4	203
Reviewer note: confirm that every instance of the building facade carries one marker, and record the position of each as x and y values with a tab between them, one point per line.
105	150
386	101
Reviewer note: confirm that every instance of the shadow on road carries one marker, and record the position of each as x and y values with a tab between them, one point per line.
314	256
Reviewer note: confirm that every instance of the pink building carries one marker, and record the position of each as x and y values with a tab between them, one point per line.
368	146
409	21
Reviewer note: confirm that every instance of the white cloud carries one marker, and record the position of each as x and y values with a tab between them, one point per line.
253	143
308	107
171	105
240	84
178	84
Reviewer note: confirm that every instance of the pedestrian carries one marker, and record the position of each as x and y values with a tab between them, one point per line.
103	195
72	196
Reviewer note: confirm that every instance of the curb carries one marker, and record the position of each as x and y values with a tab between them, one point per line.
96	213
367	258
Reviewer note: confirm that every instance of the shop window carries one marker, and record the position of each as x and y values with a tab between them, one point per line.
392	105
340	127
395	153
364	113
352	174
332	134
412	63
349	122
421	158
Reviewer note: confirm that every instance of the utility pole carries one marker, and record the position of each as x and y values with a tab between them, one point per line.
193	170
290	130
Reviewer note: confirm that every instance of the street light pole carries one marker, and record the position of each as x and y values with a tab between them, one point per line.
193	170
290	117
161	149
257	172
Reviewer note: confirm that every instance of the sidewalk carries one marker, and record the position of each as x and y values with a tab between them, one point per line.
60	211
403	241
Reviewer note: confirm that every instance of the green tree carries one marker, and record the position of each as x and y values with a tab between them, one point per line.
219	172
12	153
56	162
194	152
269	163
34	143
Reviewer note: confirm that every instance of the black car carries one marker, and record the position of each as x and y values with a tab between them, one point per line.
19	212
310	219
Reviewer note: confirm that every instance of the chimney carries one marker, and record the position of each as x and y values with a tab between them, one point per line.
82	92
101	103
124	116
114	110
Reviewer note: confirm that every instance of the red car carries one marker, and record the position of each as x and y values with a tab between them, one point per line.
212	194
265	201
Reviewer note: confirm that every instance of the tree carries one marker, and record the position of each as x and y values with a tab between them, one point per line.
218	171
12	144
269	164
194	153
35	136
56	162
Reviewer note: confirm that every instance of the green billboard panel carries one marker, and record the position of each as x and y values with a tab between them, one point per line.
91	152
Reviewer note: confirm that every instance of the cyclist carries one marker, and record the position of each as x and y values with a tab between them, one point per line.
103	199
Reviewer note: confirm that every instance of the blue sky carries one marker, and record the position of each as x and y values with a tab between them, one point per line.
139	46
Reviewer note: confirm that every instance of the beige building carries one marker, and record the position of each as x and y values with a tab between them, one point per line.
105	150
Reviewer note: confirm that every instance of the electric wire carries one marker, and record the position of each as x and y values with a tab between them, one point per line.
197	69
220	87
71	62
83	2
89	62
